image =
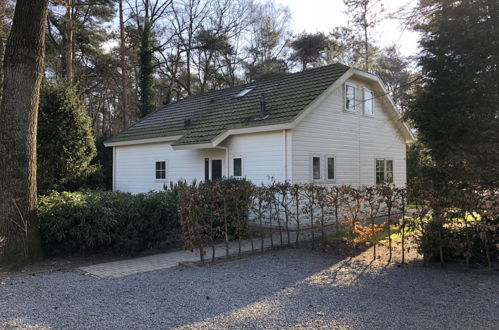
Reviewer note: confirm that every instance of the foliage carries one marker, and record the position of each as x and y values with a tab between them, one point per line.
363	216
455	109
93	221
66	144
309	48
103	160
445	232
213	210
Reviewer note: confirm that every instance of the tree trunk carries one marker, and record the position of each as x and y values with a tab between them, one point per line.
2	51
69	42
23	72
124	76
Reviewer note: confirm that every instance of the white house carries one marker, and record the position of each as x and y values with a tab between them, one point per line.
330	125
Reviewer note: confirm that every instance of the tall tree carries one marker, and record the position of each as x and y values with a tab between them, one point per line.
124	74
76	30
365	14
309	48
456	109
23	72
395	72
188	19
270	32
147	14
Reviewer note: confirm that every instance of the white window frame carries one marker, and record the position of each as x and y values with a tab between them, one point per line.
345	92
321	167
156	171
366	100
385	160
242	166
326	169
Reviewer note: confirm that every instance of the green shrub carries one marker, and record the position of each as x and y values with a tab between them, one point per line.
93	221
477	242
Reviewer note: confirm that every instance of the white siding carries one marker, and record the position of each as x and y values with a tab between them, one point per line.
135	165
355	139
262	155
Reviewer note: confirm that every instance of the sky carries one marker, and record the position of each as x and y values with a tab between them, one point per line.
324	15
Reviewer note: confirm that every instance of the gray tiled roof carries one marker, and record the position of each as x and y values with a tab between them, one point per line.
214	112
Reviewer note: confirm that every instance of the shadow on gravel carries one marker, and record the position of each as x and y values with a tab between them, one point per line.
287	288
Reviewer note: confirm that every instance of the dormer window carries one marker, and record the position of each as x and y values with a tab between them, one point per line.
349	97
368	102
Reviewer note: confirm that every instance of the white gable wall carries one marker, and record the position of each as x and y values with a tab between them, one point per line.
355	140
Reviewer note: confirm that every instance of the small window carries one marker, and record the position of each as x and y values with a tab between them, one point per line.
245	91
206	169
160	170
316	168
330	167
384	171
389	171
349	97
238	167
368	102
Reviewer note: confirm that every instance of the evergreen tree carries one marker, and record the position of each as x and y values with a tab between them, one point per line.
309	48
66	144
456	110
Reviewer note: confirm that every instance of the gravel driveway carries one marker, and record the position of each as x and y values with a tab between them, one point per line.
289	288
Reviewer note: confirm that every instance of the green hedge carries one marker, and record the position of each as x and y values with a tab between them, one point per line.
94	221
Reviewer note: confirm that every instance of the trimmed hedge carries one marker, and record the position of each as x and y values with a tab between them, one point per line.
94	221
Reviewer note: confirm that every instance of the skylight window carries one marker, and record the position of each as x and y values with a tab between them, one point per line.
245	91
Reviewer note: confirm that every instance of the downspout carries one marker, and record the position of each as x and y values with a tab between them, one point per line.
285	155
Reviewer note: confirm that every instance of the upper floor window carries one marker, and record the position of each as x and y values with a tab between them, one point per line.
384	171
349	97
368	102
161	170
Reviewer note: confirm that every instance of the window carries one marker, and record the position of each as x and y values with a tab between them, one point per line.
316	168
384	171
245	91
206	169
349	97
216	169
368	102
238	167
389	171
330	167
161	170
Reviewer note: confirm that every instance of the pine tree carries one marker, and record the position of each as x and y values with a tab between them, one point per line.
309	48
456	110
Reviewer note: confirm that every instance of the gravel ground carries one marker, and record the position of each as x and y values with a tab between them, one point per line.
285	289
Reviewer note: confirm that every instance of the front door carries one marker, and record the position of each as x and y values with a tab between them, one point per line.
216	169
